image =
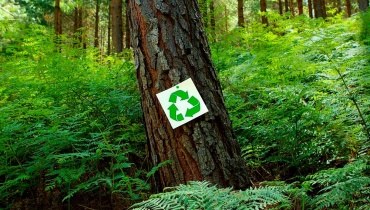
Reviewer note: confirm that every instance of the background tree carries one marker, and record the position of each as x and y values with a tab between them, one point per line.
170	46
96	31
263	8
310	12
57	18
241	20
363	5
349	8
319	8
117	25
300	7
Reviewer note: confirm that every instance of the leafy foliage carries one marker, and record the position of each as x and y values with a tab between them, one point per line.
69	123
297	92
201	195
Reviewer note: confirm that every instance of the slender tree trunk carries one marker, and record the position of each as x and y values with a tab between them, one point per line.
300	7
338	6
127	28
323	3
241	20
286	4
96	35
291	6
170	46
117	24
57	18
109	29
348	5
280	3
263	9
310	14
363	5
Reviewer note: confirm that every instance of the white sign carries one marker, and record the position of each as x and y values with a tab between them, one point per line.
182	103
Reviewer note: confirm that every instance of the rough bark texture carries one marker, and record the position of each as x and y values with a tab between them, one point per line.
96	34
170	46
263	9
363	5
241	20
57	18
117	24
348	5
300	7
310	14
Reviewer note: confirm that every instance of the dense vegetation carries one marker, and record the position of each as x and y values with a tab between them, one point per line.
298	93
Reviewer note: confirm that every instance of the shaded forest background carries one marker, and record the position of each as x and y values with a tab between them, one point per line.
295	76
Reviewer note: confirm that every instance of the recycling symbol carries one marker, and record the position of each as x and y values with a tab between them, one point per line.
190	112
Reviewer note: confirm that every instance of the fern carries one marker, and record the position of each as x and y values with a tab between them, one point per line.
201	195
340	187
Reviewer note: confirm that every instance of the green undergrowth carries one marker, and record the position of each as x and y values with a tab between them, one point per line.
70	123
298	93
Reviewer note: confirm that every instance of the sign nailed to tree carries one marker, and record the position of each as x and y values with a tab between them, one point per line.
182	103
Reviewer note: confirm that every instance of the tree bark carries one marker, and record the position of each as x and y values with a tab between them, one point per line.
117	24
241	20
96	35
57	18
348	5
170	46
264	9
363	5
310	14
300	7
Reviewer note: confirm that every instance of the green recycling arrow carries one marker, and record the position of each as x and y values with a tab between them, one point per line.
196	107
173	110
189	112
179	93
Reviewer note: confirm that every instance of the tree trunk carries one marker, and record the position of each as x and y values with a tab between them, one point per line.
318	8
96	35
363	5
241	20
286	4
310	8
300	7
263	9
348	5
127	28
57	18
109	29
323	3
291	6
280	3
117	33
170	46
